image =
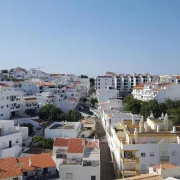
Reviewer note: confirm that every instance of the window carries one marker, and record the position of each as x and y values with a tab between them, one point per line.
174	153
2	115
25	173
7	97
2	107
72	94
143	166
93	177
17	141
15	178
143	154
151	154
7	106
69	175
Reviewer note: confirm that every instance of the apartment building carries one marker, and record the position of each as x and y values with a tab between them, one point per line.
9	102
11	138
77	158
139	145
32	167
158	91
105	94
123	82
63	129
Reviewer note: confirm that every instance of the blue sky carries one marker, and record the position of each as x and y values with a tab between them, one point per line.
91	36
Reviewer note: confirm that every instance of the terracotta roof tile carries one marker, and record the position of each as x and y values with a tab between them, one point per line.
76	145
91	144
9	168
61	142
165	166
72	99
4	85
37	161
44	83
104	76
139	86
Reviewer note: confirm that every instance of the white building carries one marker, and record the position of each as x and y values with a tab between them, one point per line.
39	166
77	158
159	92
11	138
139	145
9	102
166	170
63	129
105	94
123	82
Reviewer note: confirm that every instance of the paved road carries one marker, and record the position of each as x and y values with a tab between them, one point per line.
107	169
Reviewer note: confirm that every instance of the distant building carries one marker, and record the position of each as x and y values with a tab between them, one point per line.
159	91
124	83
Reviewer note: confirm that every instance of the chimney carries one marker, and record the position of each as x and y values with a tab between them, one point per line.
142	119
152	115
166	123
145	127
122	121
30	162
162	115
135	135
157	128
133	121
20	165
174	129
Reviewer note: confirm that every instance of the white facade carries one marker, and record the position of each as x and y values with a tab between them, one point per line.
123	82
84	164
159	92
136	145
106	94
9	102
11	138
63	129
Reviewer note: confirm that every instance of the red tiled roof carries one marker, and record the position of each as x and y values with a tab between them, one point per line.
104	76
44	83
37	161
61	142
139	86
177	77
76	145
165	166
101	103
91	144
70	87
72	99
53	74
9	168
77	82
4	85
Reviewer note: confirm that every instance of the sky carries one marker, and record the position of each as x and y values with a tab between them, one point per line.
91	36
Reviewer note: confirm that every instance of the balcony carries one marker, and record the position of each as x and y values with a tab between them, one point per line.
130	160
164	159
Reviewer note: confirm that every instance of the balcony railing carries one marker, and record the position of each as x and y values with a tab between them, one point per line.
164	158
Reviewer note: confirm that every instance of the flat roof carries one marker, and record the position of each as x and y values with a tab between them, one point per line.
37	151
144	177
62	126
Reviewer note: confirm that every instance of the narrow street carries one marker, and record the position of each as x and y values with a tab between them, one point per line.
107	170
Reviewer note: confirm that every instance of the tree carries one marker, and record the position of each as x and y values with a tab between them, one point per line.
43	142
133	105
127	99
30	128
50	111
92	82
84	76
93	102
71	116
